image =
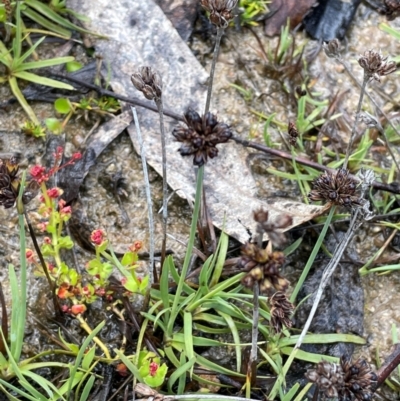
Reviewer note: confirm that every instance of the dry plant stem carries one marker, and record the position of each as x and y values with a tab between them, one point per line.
88	330
390	364
351	75
104	92
57	308
382	132
220	32
329	269
159	104
353	131
152	270
251	369
395	189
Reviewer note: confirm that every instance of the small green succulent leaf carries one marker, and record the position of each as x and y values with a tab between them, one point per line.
73	66
54	125
62	105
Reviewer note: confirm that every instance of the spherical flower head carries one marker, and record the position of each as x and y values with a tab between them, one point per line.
153	368
54	193
136	246
30	256
375	65
346	381
148	81
97	237
78	309
122	369
65	213
38	173
201	136
220	11
262	267
336	187
332	48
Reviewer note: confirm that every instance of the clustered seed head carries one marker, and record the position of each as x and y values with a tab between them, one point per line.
335	187
272	228
391	8
375	65
347	381
281	311
149	82
263	267
201	136
359	378
220	11
293	133
9	182
332	48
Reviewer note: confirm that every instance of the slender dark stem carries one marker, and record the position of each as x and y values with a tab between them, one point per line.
4	322
130	100
393	188
57	308
390	364
251	370
220	32
353	131
351	75
159	104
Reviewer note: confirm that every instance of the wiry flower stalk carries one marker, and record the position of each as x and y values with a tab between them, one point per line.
220	15
152	270
366	179
375	66
375	69
149	82
263	267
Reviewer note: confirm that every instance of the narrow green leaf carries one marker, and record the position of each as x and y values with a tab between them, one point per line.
22	101
37	79
222	249
188	334
128	363
181	371
87	389
88	358
45	23
44	63
45	10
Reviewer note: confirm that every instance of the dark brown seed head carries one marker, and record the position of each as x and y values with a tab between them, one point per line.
201	136
293	133
335	187
220	11
281	311
149	82
391	8
262	267
9	182
359	379
328	377
332	48
375	65
272	228
348	381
